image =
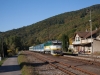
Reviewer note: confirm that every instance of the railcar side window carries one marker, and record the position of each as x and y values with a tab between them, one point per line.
56	43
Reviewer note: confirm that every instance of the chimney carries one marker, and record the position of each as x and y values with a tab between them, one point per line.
86	30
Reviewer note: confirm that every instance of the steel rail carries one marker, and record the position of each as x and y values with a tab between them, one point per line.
51	62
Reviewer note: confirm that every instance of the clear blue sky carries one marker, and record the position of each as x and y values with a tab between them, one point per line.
18	13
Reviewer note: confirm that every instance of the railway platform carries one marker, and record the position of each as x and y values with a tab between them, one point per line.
86	57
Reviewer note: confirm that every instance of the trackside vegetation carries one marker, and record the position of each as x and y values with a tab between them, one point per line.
1	62
25	65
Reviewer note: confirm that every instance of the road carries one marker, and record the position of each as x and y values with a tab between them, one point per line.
10	67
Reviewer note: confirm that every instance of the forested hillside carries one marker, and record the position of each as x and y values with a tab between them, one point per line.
52	28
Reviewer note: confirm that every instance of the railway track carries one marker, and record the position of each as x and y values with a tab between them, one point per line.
66	68
85	60
42	67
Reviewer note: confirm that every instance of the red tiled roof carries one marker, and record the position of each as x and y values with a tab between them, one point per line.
82	34
86	34
89	34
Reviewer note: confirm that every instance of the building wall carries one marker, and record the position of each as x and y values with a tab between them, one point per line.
98	37
96	45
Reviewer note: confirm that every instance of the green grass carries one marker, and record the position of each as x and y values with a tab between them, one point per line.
1	62
26	68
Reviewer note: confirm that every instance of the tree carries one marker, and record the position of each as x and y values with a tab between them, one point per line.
65	41
5	49
0	47
31	41
13	43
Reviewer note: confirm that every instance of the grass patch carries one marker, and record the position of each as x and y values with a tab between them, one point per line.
26	67
1	62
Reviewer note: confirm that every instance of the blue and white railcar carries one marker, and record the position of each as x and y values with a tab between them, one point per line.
31	48
52	47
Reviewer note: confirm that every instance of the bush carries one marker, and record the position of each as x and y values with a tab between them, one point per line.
1	62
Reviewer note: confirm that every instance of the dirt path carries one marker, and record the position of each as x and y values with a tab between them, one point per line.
10	67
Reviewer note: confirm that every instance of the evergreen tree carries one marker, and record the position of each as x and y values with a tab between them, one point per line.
5	49
0	47
65	41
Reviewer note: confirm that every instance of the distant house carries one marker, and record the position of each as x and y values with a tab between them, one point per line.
82	42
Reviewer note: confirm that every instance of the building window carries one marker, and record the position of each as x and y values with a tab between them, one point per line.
77	38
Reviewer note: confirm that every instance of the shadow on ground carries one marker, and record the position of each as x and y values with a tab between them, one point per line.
9	68
33	64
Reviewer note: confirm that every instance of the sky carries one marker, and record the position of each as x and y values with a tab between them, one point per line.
18	13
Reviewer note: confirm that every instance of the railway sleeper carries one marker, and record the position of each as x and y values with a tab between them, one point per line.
62	69
65	64
84	71
66	71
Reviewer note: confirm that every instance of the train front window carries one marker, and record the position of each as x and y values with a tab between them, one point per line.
56	43
57	51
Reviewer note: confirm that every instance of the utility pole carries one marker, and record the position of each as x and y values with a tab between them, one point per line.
91	34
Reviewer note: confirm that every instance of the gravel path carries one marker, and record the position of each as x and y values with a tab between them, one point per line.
10	67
